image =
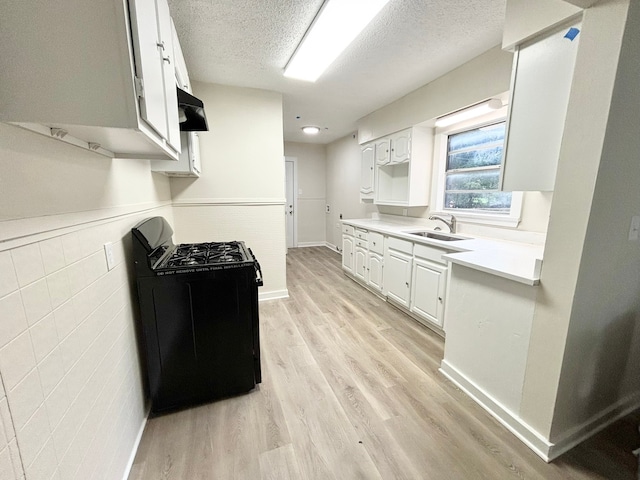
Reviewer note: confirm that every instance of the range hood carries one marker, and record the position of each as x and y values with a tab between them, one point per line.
191	113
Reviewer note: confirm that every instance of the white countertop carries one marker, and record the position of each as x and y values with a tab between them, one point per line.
520	262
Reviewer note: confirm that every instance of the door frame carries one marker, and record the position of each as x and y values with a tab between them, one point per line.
294	161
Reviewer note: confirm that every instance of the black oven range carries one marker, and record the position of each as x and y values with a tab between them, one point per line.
199	316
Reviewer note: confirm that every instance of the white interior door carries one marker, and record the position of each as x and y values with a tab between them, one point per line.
290	206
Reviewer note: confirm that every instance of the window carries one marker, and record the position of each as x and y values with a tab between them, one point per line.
473	169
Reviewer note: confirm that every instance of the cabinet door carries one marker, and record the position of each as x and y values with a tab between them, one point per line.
382	151
168	63
374	269
400	147
543	71
397	276
347	253
366	169
182	75
149	64
428	288
360	264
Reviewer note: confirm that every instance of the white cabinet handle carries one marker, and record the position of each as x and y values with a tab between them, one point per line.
160	45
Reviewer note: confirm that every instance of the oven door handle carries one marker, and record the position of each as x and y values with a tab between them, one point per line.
259	281
256	265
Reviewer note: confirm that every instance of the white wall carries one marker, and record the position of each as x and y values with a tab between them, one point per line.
592	283
240	193
486	76
311	195
525	19
343	187
69	360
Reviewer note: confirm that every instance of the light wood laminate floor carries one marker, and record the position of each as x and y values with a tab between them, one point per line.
351	390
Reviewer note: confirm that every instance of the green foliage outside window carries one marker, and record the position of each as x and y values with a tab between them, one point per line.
474	163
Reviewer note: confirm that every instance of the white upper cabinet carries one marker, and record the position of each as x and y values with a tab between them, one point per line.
382	152
400	147
182	75
367	164
167	60
98	74
404	179
149	69
188	164
541	82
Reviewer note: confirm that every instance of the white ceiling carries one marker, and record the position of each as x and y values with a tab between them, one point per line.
411	42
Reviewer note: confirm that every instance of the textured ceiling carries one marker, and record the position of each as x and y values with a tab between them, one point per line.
411	42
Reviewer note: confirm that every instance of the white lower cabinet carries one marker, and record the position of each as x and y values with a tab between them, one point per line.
347	252
413	276
428	288
374	271
360	264
397	275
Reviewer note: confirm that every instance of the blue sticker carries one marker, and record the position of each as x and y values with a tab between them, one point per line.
572	33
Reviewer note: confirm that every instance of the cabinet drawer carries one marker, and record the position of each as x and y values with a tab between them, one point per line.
361	234
348	229
430	253
376	242
401	245
361	243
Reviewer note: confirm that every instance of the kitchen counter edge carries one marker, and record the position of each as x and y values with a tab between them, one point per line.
514	261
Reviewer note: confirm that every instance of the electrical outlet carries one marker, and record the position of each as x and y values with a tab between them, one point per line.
634	230
328	209
108	252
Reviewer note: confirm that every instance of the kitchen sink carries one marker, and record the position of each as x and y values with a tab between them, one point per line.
437	236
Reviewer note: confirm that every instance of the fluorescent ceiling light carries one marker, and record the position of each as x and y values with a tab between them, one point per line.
311	130
471	112
333	29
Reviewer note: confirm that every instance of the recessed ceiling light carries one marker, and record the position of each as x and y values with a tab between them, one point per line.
309	130
333	29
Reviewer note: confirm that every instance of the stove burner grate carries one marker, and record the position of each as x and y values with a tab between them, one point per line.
206	254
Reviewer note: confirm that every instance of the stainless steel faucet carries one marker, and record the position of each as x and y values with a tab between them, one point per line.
450	222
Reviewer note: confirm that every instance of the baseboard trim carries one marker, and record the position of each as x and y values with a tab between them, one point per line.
274	295
310	244
531	438
331	246
136	445
595	424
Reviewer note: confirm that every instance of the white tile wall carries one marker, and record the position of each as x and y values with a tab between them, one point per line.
13	320
36	300
8	280
71	400
27	262
52	255
17	360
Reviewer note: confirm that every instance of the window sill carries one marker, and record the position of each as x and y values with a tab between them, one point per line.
485	218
